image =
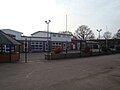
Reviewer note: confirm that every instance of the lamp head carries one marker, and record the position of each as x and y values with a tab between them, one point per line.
99	30
45	21
49	20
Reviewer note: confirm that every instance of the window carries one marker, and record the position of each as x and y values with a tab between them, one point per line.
59	43
41	43
32	42
1	48
36	42
56	45
6	48
64	35
53	43
59	35
68	36
36	46
54	35
95	46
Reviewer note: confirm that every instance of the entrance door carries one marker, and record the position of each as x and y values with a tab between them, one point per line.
64	46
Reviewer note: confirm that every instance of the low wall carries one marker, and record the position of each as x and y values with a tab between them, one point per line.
76	55
6	57
61	56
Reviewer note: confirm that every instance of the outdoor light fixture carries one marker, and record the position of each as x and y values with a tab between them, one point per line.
99	32
47	22
99	39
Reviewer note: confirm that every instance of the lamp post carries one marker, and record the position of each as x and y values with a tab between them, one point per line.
99	39
99	32
25	49
48	47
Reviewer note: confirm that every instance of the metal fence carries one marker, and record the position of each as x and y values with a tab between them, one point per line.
85	48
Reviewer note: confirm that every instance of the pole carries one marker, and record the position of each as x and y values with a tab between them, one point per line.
48	46
66	48
99	39
80	47
19	51
47	37
106	39
10	54
66	23
66	36
25	49
99	35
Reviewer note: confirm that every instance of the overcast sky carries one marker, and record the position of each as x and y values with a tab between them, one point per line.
29	16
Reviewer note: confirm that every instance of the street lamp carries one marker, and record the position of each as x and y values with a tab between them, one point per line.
25	49
99	39
99	32
47	22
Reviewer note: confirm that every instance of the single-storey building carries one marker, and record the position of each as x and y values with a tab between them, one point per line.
9	48
41	41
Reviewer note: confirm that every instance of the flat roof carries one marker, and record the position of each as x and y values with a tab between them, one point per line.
50	33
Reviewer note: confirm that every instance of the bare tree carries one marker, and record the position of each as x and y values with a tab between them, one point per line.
83	32
107	35
118	34
114	36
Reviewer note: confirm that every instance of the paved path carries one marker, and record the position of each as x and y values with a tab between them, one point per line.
38	56
92	73
33	56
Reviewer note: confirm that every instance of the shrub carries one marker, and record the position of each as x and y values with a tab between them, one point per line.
105	49
57	50
86	48
117	48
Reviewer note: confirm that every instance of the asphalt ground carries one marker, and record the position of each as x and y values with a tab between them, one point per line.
32	57
89	73
38	56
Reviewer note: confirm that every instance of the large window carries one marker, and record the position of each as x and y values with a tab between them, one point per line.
95	46
64	36
54	35
56	45
59	35
6	48
37	46
2	48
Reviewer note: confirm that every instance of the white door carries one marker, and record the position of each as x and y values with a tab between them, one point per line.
64	46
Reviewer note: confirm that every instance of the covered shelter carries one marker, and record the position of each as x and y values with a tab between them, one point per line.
9	48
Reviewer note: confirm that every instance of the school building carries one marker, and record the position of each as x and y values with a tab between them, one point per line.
42	41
